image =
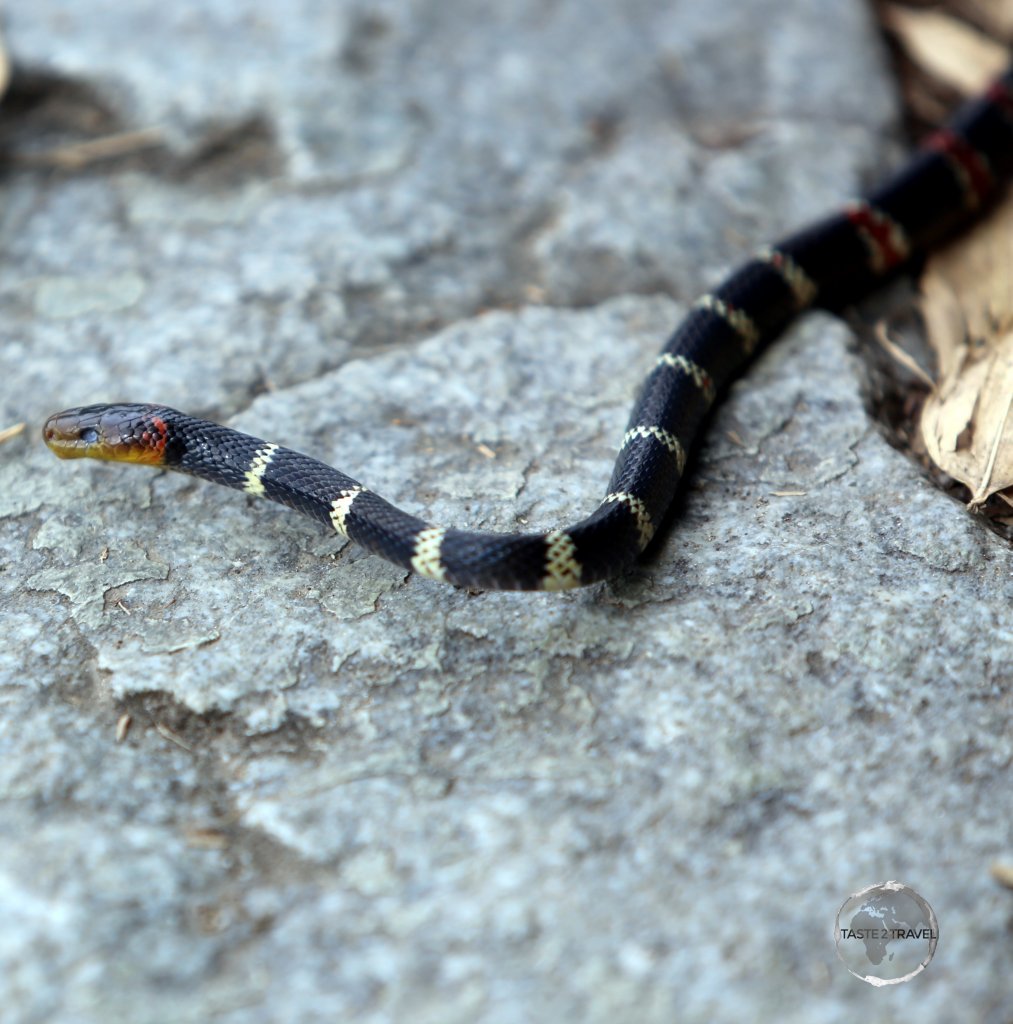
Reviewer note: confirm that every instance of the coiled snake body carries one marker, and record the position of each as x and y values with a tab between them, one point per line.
836	261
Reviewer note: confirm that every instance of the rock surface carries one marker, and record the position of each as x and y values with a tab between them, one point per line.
401	236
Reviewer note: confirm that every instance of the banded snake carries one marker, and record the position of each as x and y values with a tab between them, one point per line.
954	175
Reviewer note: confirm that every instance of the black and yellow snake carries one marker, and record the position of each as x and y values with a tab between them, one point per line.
957	171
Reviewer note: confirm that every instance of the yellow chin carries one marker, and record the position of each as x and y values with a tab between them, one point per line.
77	449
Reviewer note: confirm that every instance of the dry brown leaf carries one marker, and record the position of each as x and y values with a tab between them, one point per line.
967	303
1002	872
949	50
995	16
5	67
76	155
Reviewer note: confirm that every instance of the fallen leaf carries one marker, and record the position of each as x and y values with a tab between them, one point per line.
1002	872
5	67
967	304
995	16
951	51
75	156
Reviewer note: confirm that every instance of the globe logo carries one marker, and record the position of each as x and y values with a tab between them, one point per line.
886	934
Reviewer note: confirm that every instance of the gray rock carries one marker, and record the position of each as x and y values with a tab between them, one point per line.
402	236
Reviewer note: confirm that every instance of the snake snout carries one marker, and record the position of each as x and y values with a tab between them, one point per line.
68	435
118	433
79	433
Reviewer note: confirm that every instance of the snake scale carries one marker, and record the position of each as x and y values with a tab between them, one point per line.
956	172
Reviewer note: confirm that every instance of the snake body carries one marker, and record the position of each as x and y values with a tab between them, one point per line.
953	176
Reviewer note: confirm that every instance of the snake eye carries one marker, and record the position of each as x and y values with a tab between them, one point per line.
89	435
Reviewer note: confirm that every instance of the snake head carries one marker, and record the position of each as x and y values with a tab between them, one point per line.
118	433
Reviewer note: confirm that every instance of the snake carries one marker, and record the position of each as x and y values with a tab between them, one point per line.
953	176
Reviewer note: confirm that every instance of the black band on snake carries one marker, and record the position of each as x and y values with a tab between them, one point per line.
956	173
